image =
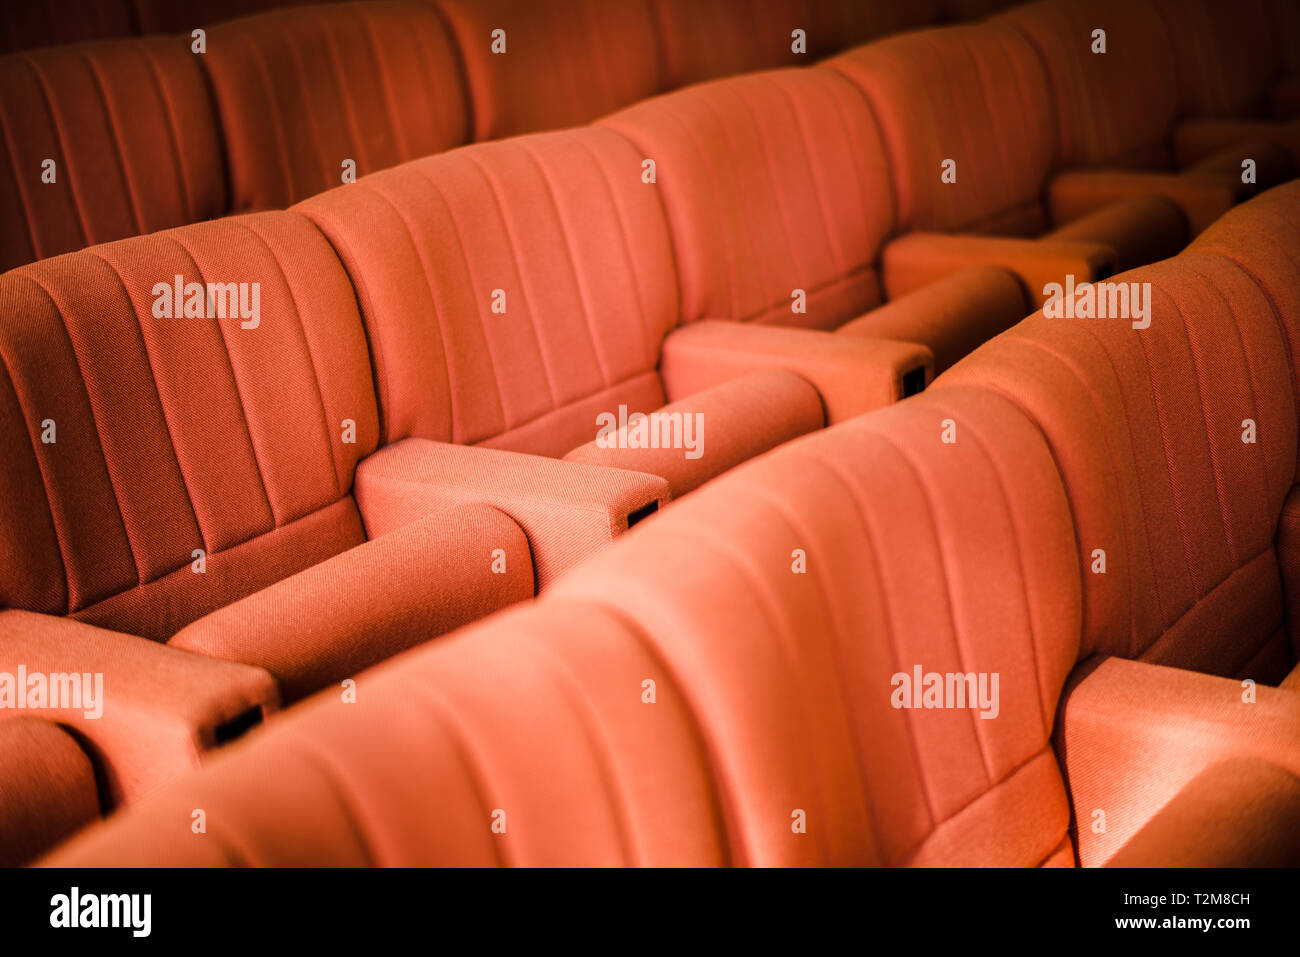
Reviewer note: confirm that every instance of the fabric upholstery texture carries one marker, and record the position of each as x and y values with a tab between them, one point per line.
1114	108
47	788
741	418
976	95
704	39
742	733
320	475
596	56
1228	55
852	374
301	91
555	229
1132	736
568	510
131	130
157	710
172	435
771	183
1261	800
354	610
1186	523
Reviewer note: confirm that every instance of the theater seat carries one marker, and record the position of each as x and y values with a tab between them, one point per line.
966	119
517	293
953	533
168	459
705	39
777	192
1116	114
130	130
552	63
1177	445
782	749
47	788
1233	81
309	94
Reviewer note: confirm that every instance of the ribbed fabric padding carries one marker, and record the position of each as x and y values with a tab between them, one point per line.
562	226
566	62
973	94
130	126
1147	427
1228	54
173	434
771	182
542	715
300	91
703	39
1112	109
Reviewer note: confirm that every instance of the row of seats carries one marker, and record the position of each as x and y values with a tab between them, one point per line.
738	26
283	104
723	686
224	434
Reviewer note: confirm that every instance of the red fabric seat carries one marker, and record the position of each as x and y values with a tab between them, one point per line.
302	91
47	788
130	128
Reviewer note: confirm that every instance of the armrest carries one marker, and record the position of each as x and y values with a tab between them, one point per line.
951	316
918	259
568	510
1201	200
1228	142
337	618
145	712
744	418
851	374
47	788
1141	230
1132	735
1238	813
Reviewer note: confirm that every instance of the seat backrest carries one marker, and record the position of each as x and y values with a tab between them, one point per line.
975	95
301	92
1178	445
704	39
130	130
1115	108
135	436
511	289
549	64
693	697
1228	55
771	182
